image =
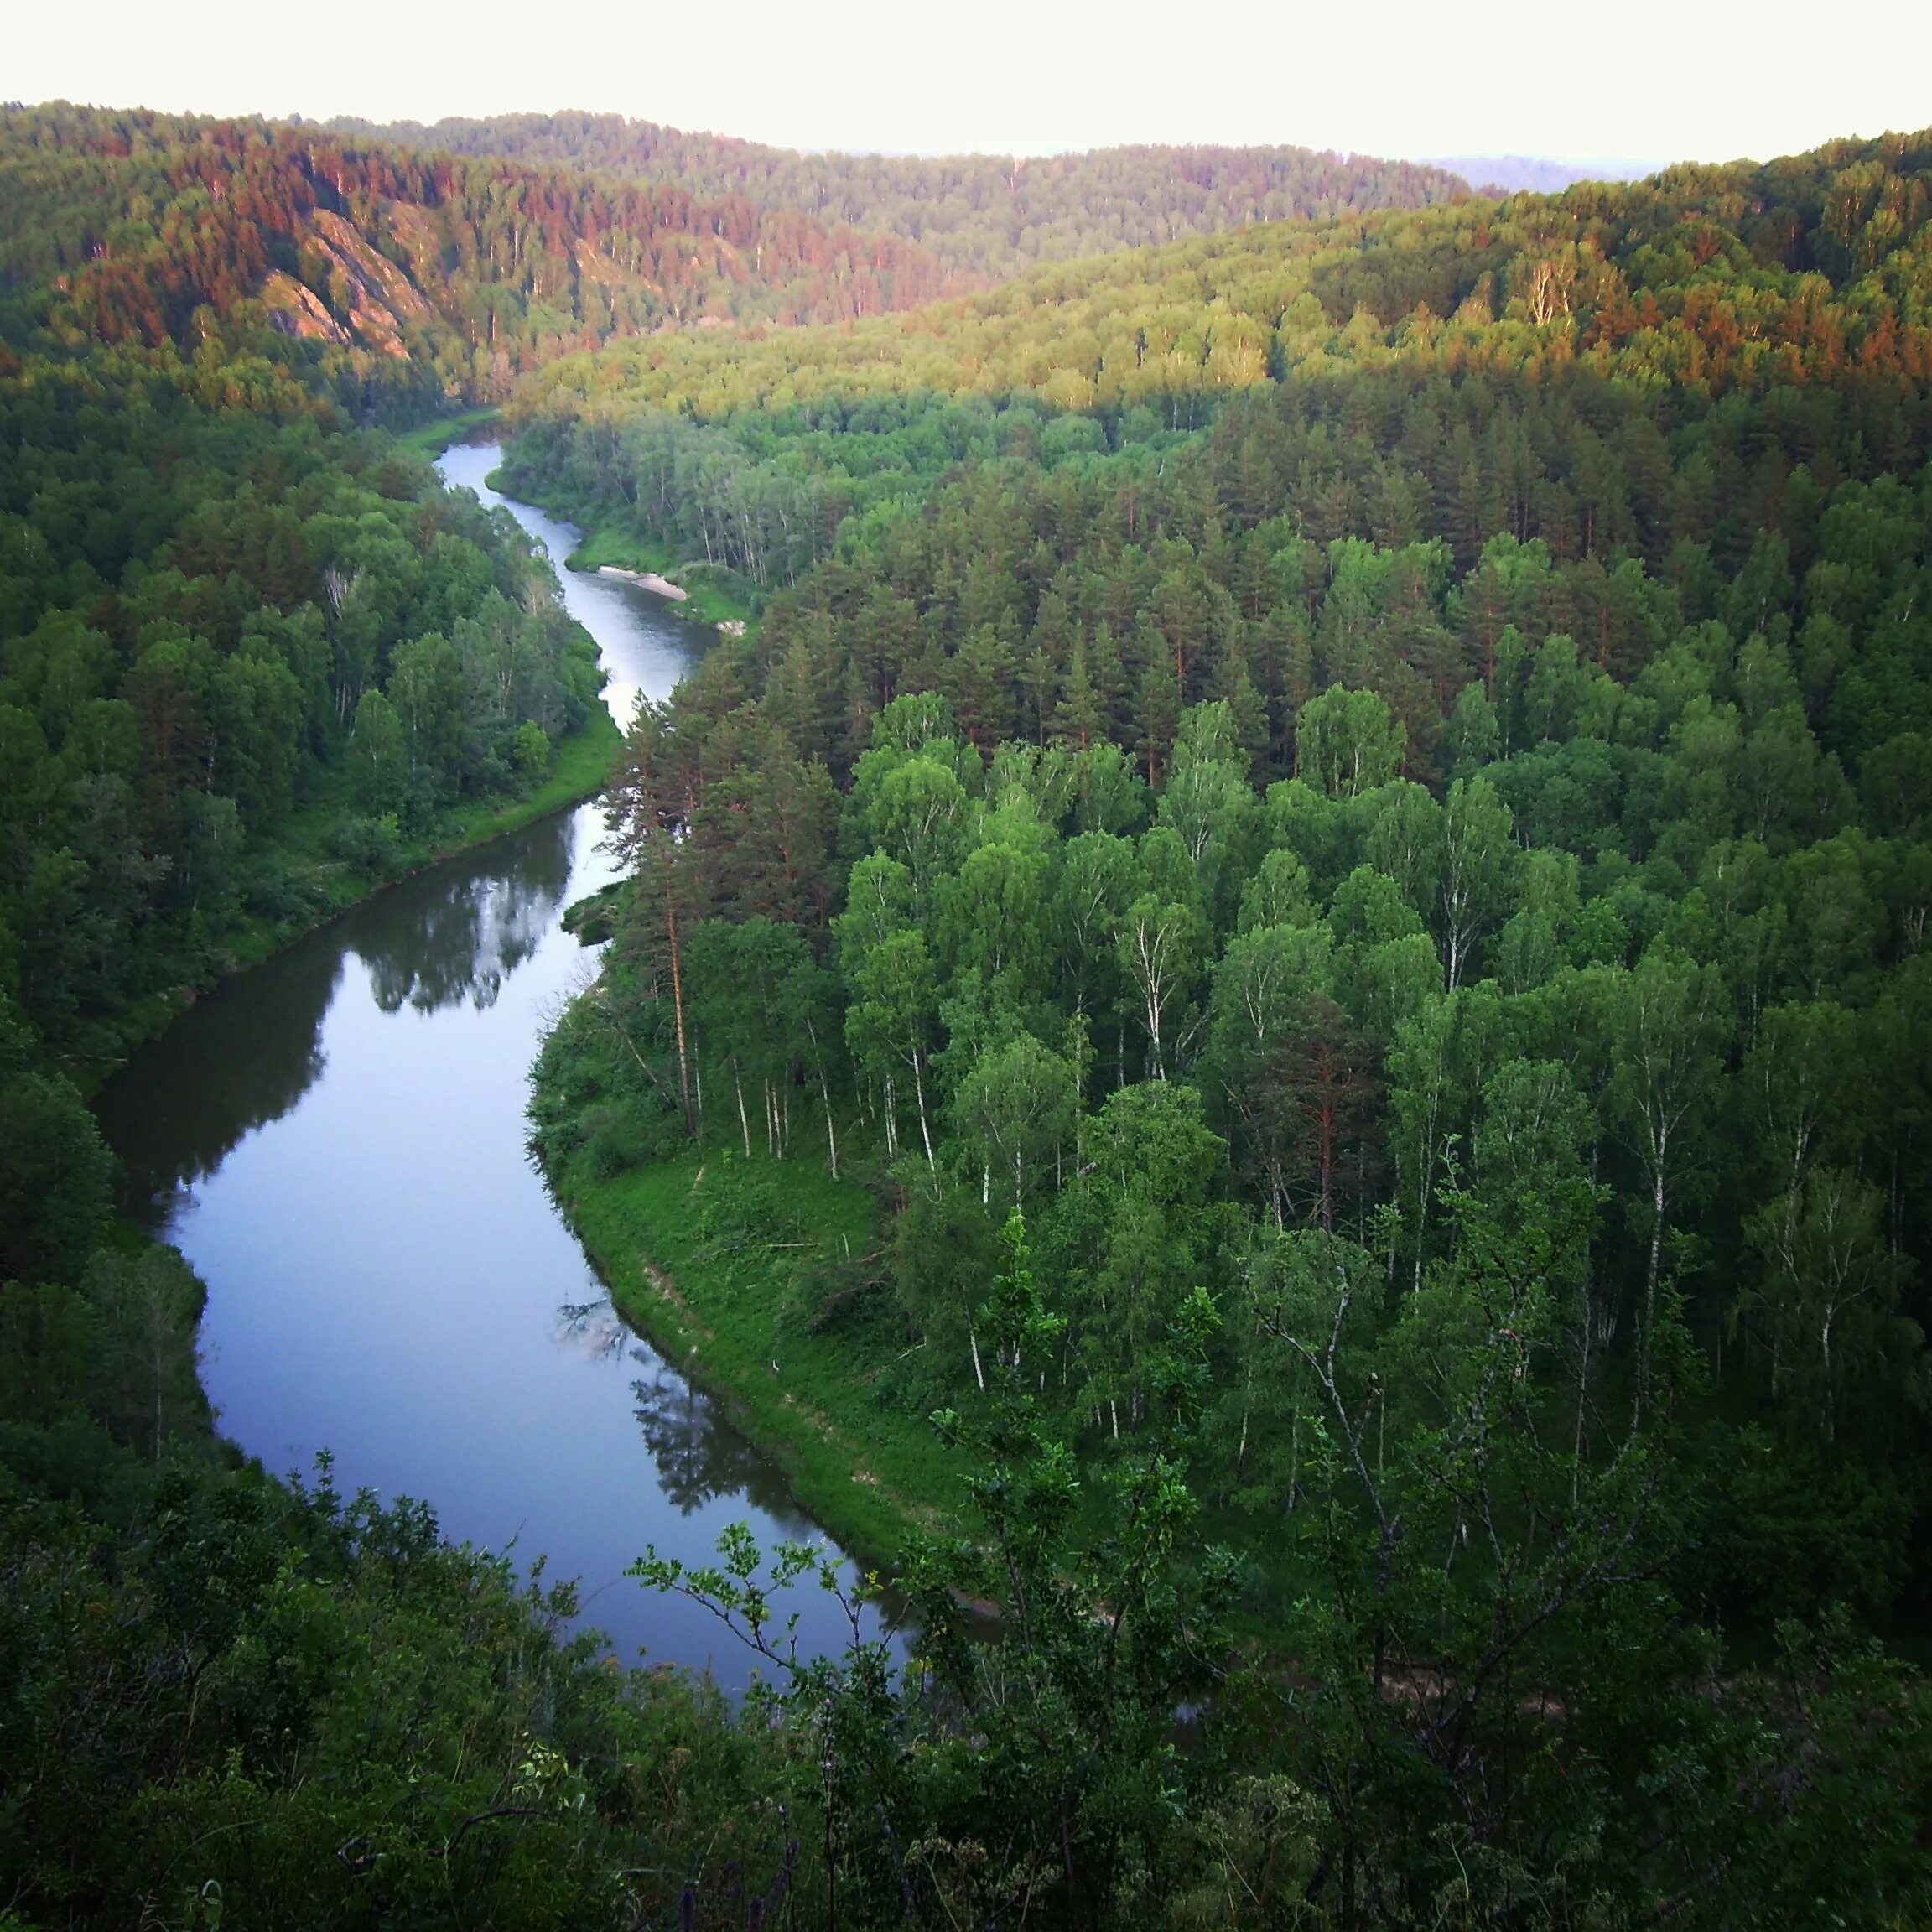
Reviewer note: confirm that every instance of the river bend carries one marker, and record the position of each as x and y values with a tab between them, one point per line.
335	1141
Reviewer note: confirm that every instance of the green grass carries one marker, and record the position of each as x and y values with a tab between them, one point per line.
713	1257
716	595
432	438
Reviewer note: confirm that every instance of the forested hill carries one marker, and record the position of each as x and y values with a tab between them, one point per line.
1471	368
978	215
432	276
1711	276
1344	815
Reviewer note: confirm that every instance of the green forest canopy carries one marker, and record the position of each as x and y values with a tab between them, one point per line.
1797	287
984	215
1335	822
1401	851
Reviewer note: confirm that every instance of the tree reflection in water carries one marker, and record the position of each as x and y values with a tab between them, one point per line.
699	1455
464	940
229	1065
247	1054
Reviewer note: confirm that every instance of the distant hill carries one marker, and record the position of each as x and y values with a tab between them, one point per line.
422	271
1790	272
980	216
1537	174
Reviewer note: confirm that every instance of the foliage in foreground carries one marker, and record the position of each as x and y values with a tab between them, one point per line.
230	1699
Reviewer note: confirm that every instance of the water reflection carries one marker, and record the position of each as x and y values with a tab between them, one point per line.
341	1155
226	1067
234	1062
460	943
699	1456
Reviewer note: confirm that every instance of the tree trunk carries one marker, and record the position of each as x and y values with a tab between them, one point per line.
925	1130
1658	1203
678	1002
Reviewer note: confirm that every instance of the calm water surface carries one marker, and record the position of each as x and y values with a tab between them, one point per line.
335	1141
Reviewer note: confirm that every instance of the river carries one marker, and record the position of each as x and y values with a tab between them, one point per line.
335	1141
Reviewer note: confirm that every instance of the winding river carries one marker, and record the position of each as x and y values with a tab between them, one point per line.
334	1141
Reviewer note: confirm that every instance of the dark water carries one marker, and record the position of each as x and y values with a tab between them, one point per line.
335	1141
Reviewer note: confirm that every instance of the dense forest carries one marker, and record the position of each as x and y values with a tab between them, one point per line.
1386	881
1803	284
1328	830
443	262
249	656
977	215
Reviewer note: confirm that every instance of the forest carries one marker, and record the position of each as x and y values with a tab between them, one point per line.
252	656
1798	285
1389	884
986	216
443	263
1325	832
434	279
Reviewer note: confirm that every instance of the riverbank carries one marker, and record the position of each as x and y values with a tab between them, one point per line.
314	877
581	765
646	580
706	594
432	438
748	1275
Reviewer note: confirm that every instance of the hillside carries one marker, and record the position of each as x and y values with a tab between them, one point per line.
426	277
981	216
1718	275
1337	821
1637	309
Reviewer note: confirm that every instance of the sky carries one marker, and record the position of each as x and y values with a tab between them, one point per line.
1641	80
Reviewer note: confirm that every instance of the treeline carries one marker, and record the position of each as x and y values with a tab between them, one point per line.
431	277
1552	367
982	215
765	499
1412	885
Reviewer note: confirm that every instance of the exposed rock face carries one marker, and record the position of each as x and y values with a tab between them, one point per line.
296	309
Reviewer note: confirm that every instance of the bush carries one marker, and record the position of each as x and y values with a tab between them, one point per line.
613	1140
372	844
287	895
530	754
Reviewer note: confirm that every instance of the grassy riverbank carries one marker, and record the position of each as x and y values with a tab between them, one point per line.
749	1276
714	595
432	438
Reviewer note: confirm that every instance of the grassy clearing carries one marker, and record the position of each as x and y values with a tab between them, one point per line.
716	595
729	1266
432	438
716	1260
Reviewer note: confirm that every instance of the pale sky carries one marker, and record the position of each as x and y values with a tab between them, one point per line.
1649	80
